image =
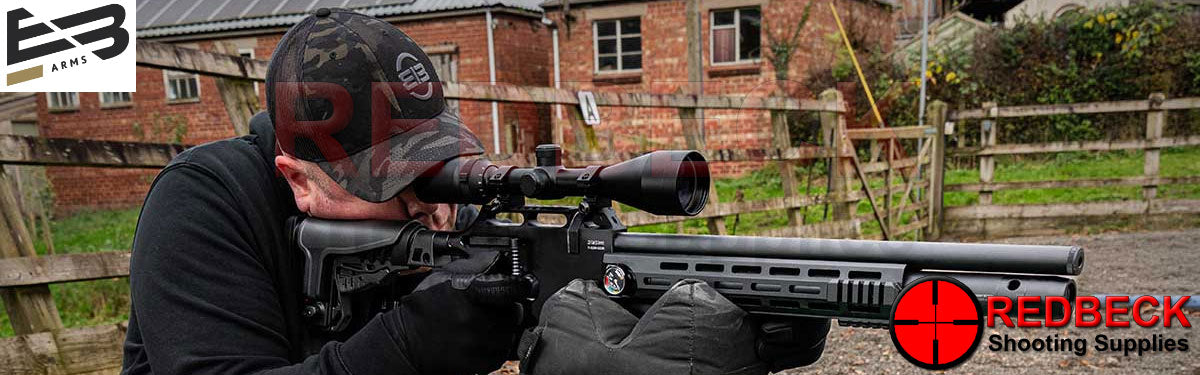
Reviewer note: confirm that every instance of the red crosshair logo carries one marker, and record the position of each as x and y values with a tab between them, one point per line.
936	324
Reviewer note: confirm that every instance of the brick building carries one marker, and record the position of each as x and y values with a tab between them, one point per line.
179	107
642	46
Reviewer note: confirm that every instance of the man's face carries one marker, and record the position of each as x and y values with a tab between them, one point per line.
319	196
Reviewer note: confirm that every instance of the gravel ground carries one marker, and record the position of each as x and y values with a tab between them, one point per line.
1153	263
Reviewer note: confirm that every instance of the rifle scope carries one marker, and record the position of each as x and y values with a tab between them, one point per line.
660	182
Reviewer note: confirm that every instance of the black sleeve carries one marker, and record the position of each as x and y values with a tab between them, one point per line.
204	303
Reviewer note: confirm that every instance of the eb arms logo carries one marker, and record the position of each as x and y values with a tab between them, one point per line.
69	46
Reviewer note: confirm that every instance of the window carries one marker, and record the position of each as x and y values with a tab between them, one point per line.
736	35
618	45
181	86
116	99
62	100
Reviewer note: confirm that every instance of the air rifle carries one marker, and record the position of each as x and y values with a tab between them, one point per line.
855	282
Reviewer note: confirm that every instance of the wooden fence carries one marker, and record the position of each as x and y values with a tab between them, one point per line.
42	345
895	175
987	219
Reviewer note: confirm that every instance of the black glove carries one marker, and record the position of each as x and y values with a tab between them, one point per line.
785	343
459	320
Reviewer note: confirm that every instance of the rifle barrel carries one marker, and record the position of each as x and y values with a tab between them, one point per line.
1031	259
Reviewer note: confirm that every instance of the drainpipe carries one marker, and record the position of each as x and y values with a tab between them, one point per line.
921	105
491	46
924	64
558	108
557	72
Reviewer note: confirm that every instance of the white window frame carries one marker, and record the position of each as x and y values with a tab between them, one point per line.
167	87
243	52
619	54
114	104
737	32
54	101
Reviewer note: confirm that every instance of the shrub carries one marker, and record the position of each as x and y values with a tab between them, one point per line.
1122	53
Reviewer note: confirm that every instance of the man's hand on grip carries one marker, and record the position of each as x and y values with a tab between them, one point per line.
460	320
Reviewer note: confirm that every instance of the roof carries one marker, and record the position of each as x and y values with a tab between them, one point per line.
558	3
159	18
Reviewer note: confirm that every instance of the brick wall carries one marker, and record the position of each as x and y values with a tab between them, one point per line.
522	58
664	71
149	119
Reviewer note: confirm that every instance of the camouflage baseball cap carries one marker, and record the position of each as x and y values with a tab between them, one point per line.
361	99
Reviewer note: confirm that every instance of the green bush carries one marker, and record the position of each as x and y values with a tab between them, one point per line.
1122	53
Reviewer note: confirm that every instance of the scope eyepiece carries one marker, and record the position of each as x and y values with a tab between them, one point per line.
660	182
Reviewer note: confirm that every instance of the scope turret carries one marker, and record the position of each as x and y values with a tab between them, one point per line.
660	182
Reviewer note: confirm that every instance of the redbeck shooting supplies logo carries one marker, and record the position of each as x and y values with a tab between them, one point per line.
937	323
61	45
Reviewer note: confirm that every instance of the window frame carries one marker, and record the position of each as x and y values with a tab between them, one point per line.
110	104
51	99
737	31
167	87
620	53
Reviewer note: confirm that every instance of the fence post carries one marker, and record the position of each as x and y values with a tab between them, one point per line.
936	117
782	140
987	163
833	127
716	224
694	136
30	309
1155	119
693	127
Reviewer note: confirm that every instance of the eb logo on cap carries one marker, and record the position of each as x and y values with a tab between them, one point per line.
67	45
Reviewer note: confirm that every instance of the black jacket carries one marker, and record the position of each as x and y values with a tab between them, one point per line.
215	285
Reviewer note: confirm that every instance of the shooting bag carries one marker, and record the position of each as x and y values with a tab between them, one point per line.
690	330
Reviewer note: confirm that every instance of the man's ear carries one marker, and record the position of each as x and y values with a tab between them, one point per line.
303	188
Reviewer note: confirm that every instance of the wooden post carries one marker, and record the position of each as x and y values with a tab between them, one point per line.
987	163
241	102
692	118
960	135
693	124
1155	119
866	188
782	139
14	220
585	135
47	230
887	186
694	63
30	309
716	224
695	141
690	122
833	127
936	114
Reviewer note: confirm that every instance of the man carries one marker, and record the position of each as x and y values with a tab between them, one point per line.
354	115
